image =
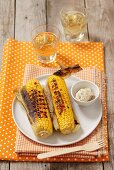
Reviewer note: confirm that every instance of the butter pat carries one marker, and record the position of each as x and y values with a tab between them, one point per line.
84	95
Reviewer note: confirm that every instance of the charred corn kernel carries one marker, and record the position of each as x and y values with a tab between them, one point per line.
62	104
38	112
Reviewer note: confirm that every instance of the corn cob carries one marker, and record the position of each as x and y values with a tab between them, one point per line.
64	114
37	109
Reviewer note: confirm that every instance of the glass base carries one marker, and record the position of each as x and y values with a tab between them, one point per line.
75	38
47	59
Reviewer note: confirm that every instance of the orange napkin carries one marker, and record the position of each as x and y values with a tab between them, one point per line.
15	57
25	146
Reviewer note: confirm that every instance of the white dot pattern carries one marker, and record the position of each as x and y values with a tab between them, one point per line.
15	56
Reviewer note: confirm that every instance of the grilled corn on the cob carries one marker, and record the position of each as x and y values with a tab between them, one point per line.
37	109
64	114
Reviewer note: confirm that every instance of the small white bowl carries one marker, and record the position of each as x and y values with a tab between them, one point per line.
85	84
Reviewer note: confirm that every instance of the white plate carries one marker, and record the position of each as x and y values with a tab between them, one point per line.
89	117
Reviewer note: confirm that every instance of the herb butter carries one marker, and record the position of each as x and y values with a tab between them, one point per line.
84	95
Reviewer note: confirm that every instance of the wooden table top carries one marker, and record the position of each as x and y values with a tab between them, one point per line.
19	17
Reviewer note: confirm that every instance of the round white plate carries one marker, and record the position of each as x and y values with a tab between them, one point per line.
89	117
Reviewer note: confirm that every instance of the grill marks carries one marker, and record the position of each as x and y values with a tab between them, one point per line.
35	102
58	97
67	71
28	102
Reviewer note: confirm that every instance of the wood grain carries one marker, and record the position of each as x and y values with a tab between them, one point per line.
6	22
4	165
29	166
29	14
84	166
58	166
103	28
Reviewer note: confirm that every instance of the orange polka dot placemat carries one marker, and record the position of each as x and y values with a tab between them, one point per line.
15	57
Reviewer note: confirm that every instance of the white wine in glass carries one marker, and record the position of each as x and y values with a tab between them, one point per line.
74	22
45	43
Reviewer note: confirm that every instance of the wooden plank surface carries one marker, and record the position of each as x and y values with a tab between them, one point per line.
6	22
27	15
85	166
4	165
59	166
29	166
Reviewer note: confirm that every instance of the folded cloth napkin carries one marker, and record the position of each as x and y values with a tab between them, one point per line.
25	146
16	55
